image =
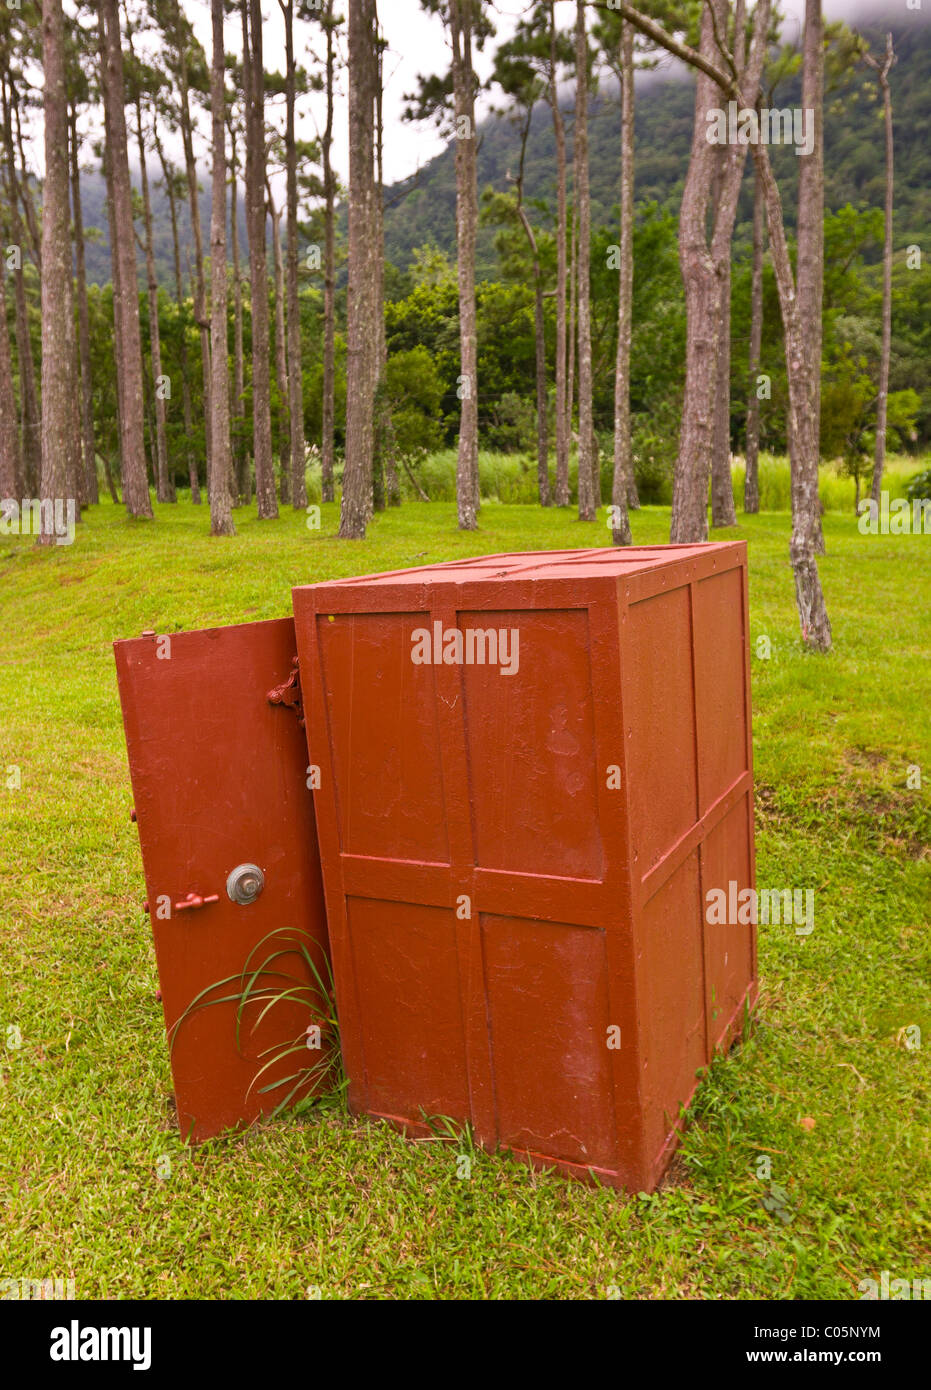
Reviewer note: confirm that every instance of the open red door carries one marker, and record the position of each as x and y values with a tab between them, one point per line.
218	760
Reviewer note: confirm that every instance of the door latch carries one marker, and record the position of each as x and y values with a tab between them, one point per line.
194	900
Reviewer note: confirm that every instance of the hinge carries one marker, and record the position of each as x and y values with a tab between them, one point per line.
289	693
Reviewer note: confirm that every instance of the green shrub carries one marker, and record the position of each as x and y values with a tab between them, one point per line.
919	487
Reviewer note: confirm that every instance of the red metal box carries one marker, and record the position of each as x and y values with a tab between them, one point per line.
532	770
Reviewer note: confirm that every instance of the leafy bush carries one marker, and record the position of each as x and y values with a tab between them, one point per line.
513	424
919	487
655	441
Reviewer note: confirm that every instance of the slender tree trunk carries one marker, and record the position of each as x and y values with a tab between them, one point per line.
467	491
59	442
31	418
295	383
543	447
281	361
25	190
164	484
107	164
29	401
802	366
624	489
543	475
84	352
385	483
12	483
386	466
752	478
381	350
329	271
254	81
810	290
702	302
242	490
723	512
704	271
218	476
808	536
115	281
135	485
563	395
882	406
361	336
182	324
587	486
573	339
201	316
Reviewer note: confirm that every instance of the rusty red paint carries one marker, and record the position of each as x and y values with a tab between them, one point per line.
219	779
498	911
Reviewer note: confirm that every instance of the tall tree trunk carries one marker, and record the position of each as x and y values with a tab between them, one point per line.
723	512
587	486
12	484
281	361
803	356
383	461
624	489
107	165
182	323
807	534
704	270
467	490
573	337
387	465
295	385
563	396
164	483
802	334
752	477
59	441
361	342
200	292
25	190
29	401
702	303
254	82
543	476
810	289
218	477
329	270
129	346
543	447
242	489
84	352
882	407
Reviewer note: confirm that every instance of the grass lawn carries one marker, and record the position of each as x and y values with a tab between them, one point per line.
830	1087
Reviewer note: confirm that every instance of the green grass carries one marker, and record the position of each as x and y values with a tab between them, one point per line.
513	478
348	1207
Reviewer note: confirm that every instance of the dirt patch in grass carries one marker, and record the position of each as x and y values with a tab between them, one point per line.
864	757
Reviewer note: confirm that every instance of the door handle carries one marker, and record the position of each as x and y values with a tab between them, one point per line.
194	900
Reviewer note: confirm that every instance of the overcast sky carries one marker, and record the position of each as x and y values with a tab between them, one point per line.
417	45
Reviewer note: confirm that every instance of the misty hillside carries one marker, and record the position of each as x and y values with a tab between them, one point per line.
422	208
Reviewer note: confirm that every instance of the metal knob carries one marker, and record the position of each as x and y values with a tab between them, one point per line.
245	884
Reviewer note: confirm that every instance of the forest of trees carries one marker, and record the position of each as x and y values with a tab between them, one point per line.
585	278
